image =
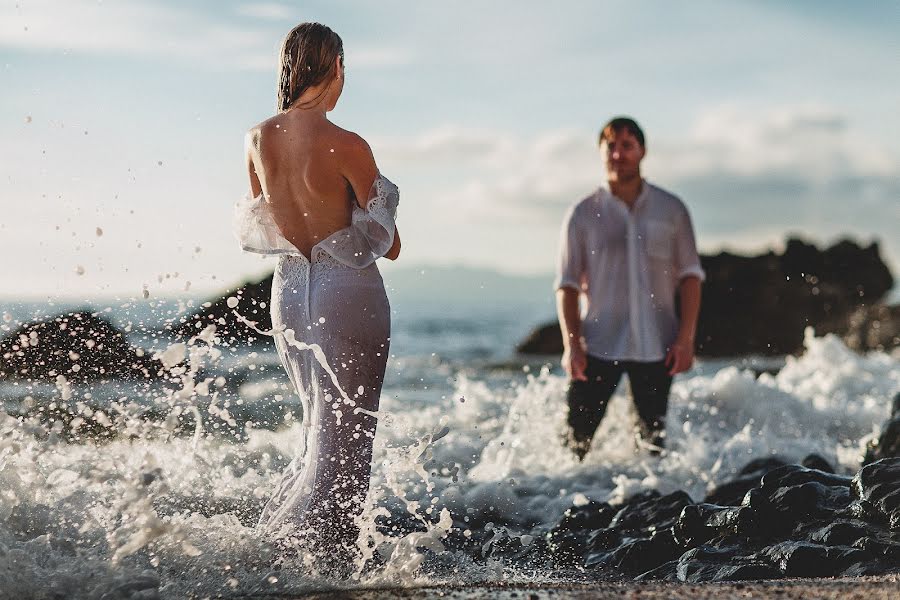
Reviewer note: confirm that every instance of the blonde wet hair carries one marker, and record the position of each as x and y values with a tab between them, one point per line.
308	53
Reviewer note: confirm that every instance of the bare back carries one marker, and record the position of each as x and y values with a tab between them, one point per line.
312	172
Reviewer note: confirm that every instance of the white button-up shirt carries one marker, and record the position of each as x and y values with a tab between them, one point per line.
628	264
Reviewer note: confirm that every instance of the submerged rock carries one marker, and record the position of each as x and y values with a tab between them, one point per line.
79	347
543	339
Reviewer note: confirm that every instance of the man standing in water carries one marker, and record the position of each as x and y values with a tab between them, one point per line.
629	248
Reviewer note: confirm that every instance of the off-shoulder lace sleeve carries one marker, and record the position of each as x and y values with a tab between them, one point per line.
256	230
371	231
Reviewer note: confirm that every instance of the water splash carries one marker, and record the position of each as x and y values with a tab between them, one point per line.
148	495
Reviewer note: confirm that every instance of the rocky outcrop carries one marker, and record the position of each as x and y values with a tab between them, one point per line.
543	339
773	520
79	346
794	522
252	303
762	304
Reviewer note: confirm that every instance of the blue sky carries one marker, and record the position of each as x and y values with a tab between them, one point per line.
767	118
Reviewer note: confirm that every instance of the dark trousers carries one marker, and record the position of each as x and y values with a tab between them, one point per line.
650	383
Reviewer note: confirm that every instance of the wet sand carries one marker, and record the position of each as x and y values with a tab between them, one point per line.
860	588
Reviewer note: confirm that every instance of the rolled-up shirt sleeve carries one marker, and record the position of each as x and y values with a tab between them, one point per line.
687	261
571	264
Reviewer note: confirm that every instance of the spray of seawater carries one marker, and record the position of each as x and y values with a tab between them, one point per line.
156	492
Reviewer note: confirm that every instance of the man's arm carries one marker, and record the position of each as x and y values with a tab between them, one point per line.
574	358
570	277
680	356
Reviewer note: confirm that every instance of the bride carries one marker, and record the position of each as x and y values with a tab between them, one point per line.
318	201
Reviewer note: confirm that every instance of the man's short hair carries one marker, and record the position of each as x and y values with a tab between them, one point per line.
619	124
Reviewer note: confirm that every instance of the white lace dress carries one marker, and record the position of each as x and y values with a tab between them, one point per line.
337	302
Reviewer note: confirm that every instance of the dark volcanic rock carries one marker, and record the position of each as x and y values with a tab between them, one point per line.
805	559
832	290
700	523
721	564
731	493
814	461
593	515
802	287
792	496
794	522
876	492
843	532
254	298
79	346
544	339
888	443
649	511
639	537
641	555
570	535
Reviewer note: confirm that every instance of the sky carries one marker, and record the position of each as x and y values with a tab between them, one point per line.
122	126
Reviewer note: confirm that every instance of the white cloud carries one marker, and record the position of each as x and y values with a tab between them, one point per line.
492	174
815	143
153	30
133	28
792	148
749	178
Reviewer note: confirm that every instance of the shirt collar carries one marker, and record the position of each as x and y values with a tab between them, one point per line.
604	193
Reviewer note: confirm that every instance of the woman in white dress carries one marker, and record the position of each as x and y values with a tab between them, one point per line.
318	201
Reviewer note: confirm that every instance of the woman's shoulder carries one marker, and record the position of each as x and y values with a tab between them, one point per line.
263	128
353	150
350	141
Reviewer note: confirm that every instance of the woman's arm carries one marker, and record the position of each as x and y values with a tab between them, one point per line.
360	170
251	151
394	252
358	167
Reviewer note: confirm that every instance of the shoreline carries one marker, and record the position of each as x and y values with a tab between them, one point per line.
846	588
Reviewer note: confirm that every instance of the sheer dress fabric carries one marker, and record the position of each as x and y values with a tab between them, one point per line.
336	300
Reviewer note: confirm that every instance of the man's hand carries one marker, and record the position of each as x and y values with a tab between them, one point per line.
574	361
680	356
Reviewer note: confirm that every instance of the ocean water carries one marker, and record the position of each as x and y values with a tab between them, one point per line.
145	491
